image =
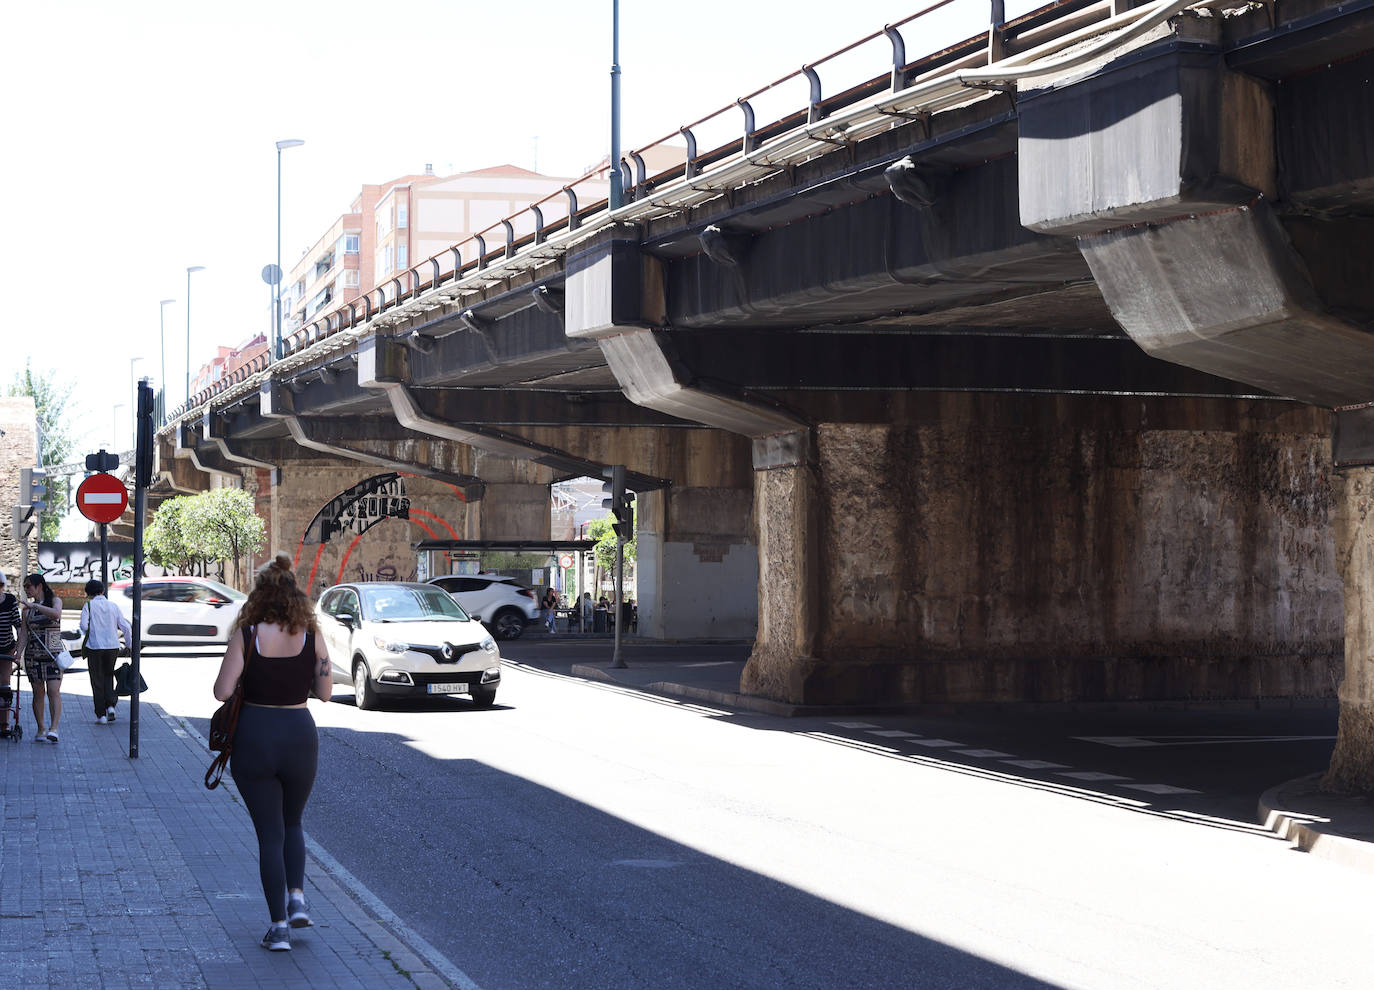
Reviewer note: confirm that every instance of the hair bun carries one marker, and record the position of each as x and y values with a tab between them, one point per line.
281	562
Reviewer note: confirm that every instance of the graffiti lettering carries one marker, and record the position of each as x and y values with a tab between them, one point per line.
360	508
77	563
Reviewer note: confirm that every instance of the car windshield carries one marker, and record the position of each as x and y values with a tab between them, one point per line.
411	605
232	594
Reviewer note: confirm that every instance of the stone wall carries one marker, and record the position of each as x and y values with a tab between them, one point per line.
999	548
18	449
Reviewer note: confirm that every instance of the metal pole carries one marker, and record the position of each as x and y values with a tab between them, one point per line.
105	555
188	336
276	295
143	433
617	194
617	660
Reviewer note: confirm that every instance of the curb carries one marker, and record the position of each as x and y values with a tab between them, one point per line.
1313	832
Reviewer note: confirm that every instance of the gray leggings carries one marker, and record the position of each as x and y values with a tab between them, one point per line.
276	752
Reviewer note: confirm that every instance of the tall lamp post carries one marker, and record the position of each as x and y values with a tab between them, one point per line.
162	341
276	342
617	193
114	426
189	272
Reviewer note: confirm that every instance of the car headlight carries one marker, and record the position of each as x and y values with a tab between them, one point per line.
487	644
391	646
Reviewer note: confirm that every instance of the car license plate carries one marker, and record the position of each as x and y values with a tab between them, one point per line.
448	688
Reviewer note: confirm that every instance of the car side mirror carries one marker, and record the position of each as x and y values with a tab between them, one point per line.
348	619
475	618
217	602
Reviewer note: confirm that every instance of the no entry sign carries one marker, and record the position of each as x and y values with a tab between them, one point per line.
102	498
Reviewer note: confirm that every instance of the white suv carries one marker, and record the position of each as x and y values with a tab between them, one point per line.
502	605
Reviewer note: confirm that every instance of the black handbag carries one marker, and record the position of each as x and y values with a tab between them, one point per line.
123	676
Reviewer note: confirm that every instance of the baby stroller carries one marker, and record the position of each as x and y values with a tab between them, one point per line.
10	726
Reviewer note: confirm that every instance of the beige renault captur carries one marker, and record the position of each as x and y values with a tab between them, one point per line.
393	639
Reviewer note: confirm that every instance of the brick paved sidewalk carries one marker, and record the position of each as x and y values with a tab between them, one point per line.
117	872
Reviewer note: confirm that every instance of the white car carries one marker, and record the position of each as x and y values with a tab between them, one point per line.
501	604
181	611
393	639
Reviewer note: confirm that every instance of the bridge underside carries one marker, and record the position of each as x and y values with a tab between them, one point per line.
1031	399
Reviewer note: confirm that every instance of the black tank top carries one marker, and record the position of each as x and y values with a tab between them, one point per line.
277	681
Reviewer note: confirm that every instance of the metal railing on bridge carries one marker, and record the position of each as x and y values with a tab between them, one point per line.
1031	45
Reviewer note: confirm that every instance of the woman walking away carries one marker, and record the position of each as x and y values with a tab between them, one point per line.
40	640
282	661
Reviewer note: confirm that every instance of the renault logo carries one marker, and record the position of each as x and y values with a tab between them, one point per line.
446	651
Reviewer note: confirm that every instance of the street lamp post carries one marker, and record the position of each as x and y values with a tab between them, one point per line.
114	425
162	341
276	342
189	272
617	193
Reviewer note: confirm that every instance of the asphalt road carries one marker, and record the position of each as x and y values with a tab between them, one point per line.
579	835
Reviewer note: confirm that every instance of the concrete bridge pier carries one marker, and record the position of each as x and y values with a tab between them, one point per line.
1220	212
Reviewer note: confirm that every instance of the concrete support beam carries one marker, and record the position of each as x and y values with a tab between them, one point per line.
1164	168
1352	763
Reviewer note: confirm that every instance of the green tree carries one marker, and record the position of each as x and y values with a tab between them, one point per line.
602	532
163	541
55	442
221	524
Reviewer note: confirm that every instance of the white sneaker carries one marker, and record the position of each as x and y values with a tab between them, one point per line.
109	714
100	720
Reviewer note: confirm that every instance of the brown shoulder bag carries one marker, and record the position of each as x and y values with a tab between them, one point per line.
225	721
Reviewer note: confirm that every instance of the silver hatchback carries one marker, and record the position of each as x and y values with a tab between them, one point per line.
392	639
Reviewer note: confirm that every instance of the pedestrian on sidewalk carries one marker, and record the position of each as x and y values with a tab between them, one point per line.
586	610
9	642
40	639
282	661
550	605
102	623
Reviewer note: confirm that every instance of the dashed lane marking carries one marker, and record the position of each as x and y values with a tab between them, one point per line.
893	733
1036	764
1093	775
1159	789
986	754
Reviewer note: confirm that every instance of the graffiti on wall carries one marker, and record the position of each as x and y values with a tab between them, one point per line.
77	563
357	510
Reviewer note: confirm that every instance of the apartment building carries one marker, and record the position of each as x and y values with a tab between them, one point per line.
393	226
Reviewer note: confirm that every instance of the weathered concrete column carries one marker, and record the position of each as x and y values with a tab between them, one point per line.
1352	763
787	512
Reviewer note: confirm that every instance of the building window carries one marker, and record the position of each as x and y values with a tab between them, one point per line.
350	278
401	254
402	215
352	243
384	261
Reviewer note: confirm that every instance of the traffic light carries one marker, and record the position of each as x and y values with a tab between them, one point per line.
21	523
620	504
33	489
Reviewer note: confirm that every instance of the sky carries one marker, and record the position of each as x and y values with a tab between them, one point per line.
140	140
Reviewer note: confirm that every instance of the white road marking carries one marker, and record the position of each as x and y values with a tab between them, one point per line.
854	725
1159	789
937	743
1092	775
893	733
987	754
1036	764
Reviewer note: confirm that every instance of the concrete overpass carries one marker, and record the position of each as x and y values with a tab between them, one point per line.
1038	368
